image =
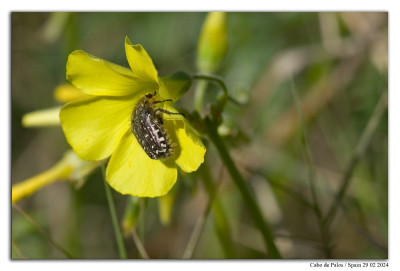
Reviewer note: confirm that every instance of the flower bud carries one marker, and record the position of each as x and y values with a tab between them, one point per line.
65	93
213	42
64	169
41	118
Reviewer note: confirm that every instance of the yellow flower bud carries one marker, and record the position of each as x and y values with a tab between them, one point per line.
65	93
213	42
40	118
60	171
54	26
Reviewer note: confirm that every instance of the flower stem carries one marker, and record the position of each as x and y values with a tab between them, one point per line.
114	219
221	223
212	78
248	198
199	96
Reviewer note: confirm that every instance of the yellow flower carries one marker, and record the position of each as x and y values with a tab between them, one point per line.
100	126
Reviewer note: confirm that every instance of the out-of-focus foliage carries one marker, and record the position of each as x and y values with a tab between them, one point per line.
335	62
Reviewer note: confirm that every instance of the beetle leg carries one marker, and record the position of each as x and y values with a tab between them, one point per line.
157	102
167	112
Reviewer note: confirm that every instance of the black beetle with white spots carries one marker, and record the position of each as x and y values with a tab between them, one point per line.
147	126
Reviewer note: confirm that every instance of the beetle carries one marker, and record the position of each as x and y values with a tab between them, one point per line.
147	126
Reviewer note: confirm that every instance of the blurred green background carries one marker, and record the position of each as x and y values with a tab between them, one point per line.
336	64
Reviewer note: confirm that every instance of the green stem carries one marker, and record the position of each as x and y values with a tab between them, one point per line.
42	231
17	250
306	149
199	96
221	223
311	173
142	218
212	78
359	151
284	188
139	245
248	198
195	236
114	219
215	79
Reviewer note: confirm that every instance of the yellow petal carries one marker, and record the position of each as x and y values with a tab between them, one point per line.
94	126
140	62
190	150
95	76
131	171
174	86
